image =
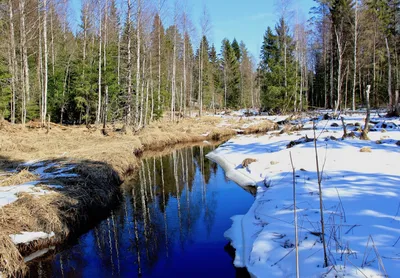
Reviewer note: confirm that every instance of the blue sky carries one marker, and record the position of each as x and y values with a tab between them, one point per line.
244	20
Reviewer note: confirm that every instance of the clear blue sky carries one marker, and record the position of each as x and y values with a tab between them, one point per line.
244	20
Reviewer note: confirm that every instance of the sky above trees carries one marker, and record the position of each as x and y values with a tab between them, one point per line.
243	20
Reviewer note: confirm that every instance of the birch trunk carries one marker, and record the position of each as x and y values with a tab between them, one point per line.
13	61
159	58
173	85
100	55
353	105
129	97
339	77
138	61
46	54
389	75
25	67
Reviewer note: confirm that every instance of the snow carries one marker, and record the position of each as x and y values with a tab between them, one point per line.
360	194
9	194
26	237
37	254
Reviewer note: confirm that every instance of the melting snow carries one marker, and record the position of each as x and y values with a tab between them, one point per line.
26	237
361	194
9	194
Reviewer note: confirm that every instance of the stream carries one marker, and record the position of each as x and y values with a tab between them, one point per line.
170	223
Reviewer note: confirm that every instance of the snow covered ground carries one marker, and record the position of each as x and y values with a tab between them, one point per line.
360	198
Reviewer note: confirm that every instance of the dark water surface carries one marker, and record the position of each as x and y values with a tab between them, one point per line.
170	223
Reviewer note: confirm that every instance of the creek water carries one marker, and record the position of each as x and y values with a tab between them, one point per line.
170	223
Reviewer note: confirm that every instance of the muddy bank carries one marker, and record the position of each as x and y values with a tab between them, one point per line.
98	165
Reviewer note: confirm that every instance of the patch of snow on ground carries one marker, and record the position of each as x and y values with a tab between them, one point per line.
361	195
26	237
9	194
38	254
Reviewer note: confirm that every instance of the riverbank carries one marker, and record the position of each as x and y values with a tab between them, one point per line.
360	193
76	173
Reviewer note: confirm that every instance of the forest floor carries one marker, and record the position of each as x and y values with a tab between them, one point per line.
360	191
54	180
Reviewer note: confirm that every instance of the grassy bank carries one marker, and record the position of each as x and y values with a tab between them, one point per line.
101	163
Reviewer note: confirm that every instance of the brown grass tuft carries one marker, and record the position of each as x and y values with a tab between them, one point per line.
17	178
365	150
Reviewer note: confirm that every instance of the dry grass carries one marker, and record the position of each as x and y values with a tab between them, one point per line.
365	150
17	178
101	162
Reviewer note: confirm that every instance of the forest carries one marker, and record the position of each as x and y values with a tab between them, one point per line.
124	63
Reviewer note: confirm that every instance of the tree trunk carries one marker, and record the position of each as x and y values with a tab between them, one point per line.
201	78
46	55
353	105
364	133
128	118
105	109
345	94
339	77
52	42
25	67
173	82
159	59
100	55
138	62
105	49
184	66
331	75
374	71
13	61
389	75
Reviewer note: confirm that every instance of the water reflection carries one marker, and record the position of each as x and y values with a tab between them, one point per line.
170	223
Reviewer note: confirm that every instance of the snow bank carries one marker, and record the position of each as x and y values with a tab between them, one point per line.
26	237
360	193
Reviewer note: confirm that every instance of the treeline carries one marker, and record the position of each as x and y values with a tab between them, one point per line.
122	63
329	60
355	44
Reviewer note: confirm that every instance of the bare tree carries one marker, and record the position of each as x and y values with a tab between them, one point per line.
138	27
98	111
46	55
353	105
128	118
13	61
340	63
389	74
25	67
173	81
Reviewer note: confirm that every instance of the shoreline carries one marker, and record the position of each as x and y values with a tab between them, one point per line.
100	172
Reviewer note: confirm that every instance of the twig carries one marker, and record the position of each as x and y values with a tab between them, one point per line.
357	268
320	201
295	217
352	227
341	204
379	257
283	257
396	242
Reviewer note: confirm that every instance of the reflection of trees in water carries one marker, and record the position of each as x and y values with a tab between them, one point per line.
173	198
162	205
